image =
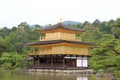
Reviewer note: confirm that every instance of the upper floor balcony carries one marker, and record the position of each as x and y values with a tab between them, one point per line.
60	36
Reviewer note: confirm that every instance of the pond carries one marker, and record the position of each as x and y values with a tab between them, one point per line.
13	75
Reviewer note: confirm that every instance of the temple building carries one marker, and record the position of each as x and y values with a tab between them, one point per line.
59	47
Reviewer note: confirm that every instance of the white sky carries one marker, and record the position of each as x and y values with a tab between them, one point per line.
42	12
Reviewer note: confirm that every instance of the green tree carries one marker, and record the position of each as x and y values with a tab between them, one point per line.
91	34
12	60
116	28
104	57
105	27
4	32
2	45
97	23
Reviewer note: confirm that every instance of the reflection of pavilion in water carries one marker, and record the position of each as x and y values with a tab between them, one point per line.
81	78
59	76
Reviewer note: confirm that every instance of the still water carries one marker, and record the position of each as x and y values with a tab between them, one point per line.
12	75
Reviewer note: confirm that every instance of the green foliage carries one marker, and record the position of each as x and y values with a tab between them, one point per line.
91	34
97	23
2	45
4	32
16	39
12	60
12	41
116	74
104	57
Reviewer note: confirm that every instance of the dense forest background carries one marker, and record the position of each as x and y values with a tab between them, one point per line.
104	34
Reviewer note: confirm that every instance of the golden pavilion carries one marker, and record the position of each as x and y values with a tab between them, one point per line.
59	47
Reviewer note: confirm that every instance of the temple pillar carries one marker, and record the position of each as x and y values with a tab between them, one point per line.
51	62
33	61
39	62
63	60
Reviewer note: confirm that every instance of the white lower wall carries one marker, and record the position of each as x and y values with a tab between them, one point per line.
82	62
79	63
85	63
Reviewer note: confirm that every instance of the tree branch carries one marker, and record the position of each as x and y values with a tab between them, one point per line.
117	52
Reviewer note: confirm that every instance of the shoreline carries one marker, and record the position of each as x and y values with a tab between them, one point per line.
87	71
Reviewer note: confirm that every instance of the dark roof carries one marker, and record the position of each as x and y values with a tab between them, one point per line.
57	41
60	25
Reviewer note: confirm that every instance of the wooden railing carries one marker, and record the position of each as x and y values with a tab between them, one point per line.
55	66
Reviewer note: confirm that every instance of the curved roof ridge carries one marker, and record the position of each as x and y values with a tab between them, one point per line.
58	41
60	25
